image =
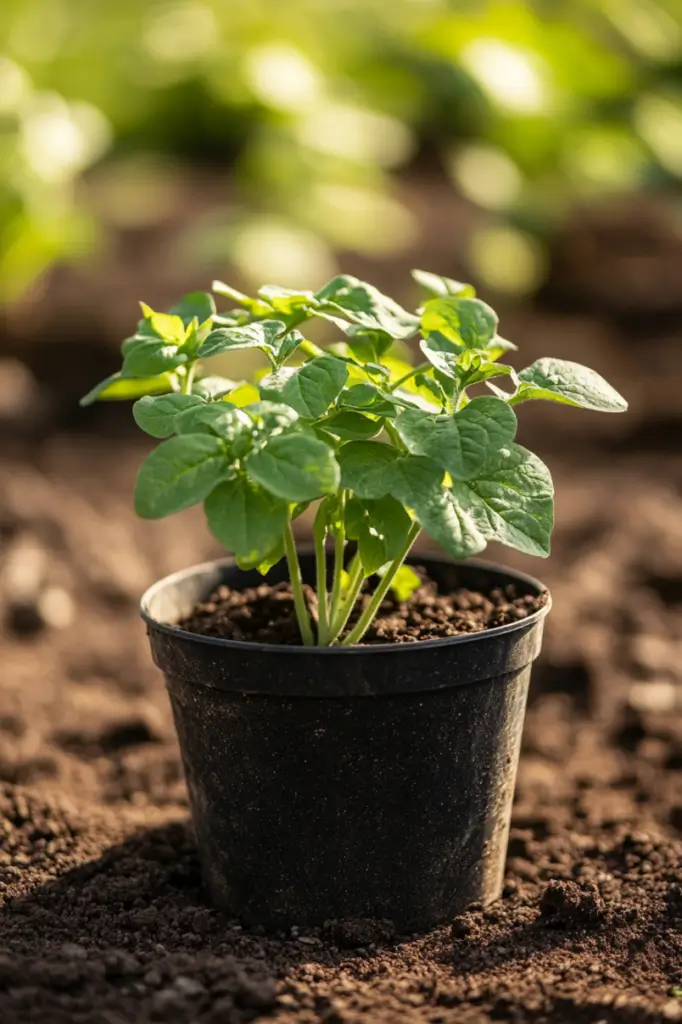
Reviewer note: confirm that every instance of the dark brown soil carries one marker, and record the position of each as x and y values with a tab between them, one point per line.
266	614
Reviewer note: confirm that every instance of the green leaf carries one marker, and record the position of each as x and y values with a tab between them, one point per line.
313	387
118	388
468	323
263	334
275	416
221	420
352	426
418	483
156	415
498	346
558	380
263	563
179	473
213	387
439	286
246	519
197	304
295	467
363	304
254	306
511	500
368	398
462	443
473	367
362	467
152	357
380	528
405	582
368	345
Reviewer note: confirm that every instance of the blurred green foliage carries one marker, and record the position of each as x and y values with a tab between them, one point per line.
315	104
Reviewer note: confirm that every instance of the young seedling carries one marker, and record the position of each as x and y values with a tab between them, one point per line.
385	448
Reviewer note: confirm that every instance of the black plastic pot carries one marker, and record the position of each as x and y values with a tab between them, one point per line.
347	782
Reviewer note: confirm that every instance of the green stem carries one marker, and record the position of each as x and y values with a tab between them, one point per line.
357	578
320	533
365	620
339	552
310	348
297	587
394	436
415	369
188	379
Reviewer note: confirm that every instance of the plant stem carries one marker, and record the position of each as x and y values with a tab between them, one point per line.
357	578
320	533
365	620
415	369
394	436
310	348
339	551
297	587
188	379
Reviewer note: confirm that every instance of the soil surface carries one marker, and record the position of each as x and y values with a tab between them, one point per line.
266	614
102	916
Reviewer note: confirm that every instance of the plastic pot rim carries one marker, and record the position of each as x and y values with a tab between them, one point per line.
532	583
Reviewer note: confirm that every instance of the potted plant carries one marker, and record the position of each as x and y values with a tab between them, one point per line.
333	770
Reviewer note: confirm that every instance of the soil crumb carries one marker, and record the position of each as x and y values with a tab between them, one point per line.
265	614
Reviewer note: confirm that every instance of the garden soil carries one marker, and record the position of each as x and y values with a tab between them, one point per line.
102	916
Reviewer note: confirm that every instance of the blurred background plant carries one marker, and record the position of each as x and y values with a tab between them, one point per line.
314	114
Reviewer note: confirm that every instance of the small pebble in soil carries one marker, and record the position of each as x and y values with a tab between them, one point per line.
569	905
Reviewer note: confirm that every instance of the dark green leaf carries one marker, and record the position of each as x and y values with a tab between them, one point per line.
363	304
352	426
368	398
150	358
461	443
156	415
219	419
511	500
263	334
275	416
179	473
246	519
558	380
418	483
380	528
197	304
367	345
362	467
263	563
295	467
313	387
439	286
118	388
469	323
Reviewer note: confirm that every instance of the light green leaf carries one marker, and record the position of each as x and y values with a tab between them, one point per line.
469	323
368	345
363	304
511	500
179	473
162	326
462	443
118	388
150	358
558	380
352	426
213	387
439	286
313	387
156	415
362	467
418	483
286	300
246	519
274	416
405	582
295	467
197	304
498	346
473	367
